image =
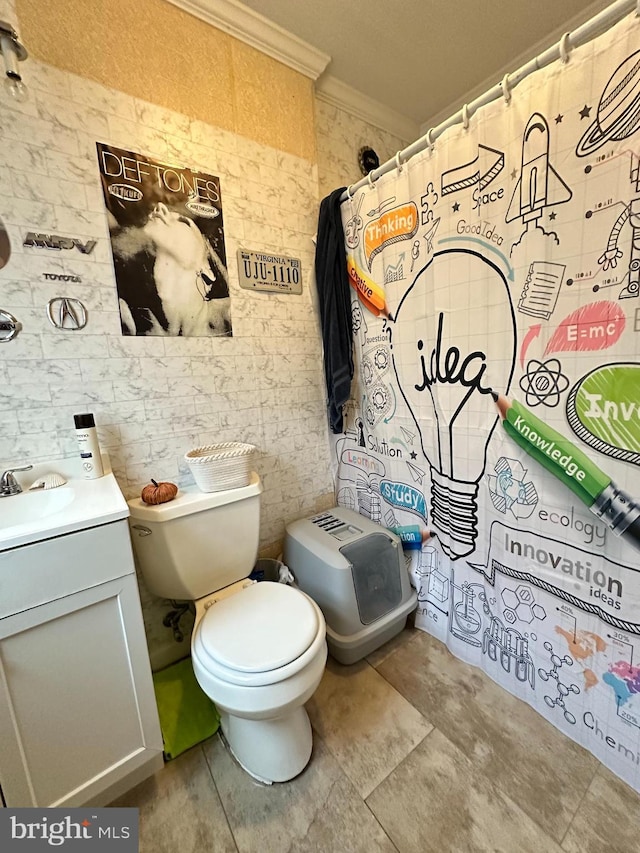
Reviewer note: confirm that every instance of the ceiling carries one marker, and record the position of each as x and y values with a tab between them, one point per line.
423	58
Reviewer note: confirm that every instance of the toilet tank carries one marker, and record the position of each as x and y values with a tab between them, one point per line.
199	542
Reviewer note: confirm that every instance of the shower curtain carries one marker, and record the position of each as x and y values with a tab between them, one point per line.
496	399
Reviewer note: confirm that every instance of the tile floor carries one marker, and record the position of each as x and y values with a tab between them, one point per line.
411	755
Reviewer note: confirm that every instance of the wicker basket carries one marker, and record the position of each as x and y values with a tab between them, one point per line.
221	466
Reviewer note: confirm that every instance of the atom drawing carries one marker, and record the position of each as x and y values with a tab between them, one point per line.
544	382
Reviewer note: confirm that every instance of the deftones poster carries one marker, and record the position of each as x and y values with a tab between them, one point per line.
167	239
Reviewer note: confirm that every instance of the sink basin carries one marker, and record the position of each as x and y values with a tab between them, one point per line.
78	505
21	509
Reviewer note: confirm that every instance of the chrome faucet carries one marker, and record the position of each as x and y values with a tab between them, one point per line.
8	483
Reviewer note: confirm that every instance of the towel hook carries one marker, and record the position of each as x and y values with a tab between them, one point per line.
399	162
506	91
565	48
465	116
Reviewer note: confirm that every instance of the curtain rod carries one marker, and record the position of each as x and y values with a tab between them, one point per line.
586	32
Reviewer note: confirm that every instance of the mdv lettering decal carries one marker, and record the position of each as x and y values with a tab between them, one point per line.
54	241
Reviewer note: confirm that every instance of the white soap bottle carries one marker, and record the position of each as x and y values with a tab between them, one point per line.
87	436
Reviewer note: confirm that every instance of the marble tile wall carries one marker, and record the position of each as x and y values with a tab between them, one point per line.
339	137
154	397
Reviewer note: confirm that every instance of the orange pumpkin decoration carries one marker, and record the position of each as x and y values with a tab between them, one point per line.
159	493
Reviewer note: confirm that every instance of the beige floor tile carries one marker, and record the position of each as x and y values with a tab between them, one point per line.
180	809
438	800
608	820
379	655
510	743
318	811
368	726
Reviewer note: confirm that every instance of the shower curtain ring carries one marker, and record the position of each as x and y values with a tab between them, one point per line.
349	195
506	91
429	136
370	179
398	162
465	116
565	48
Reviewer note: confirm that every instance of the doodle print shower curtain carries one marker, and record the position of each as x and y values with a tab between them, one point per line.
506	261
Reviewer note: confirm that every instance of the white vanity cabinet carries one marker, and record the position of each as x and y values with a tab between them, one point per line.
78	718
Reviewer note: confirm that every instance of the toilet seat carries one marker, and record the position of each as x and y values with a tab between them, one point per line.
262	634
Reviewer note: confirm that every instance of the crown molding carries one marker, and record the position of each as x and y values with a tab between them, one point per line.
253	29
339	94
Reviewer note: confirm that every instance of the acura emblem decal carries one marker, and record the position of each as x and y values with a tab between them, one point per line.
64	312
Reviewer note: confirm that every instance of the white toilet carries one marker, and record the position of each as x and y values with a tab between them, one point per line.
258	649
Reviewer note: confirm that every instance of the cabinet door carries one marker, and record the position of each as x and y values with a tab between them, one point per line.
77	708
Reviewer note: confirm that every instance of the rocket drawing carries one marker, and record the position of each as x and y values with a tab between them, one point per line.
539	185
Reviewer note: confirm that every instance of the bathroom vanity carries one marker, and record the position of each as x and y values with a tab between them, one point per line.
78	718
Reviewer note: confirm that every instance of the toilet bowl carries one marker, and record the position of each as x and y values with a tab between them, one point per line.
259	653
258	649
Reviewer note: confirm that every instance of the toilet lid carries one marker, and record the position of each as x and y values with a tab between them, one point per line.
262	627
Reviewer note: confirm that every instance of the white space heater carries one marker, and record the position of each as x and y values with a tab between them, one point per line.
355	571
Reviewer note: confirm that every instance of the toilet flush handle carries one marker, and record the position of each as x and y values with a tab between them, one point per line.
142	531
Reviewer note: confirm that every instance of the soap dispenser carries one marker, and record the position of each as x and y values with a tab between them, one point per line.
87	436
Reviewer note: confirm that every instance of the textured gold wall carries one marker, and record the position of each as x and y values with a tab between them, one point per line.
154	51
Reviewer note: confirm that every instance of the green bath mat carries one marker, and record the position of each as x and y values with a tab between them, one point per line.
187	715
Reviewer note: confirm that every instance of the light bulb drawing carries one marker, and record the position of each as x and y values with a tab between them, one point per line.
459	296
